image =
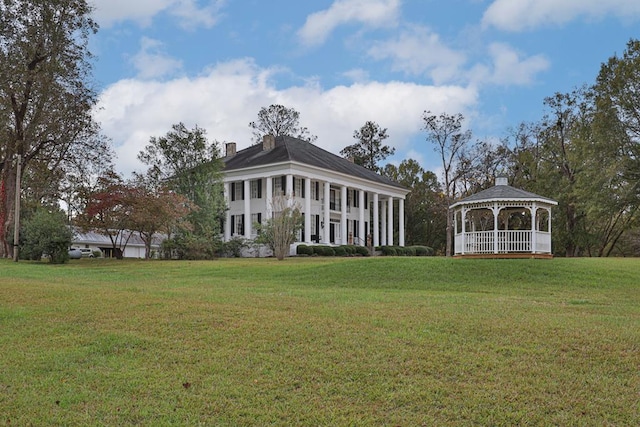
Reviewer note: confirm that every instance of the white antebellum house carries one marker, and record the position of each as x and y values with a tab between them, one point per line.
503	221
342	203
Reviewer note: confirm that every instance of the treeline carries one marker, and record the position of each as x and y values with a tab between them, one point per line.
582	152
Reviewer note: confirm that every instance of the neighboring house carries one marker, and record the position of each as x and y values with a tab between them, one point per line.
342	203
96	241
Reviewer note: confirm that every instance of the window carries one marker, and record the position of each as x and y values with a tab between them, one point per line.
334	200
237	225
256	189
279	185
256	218
298	187
237	191
315	190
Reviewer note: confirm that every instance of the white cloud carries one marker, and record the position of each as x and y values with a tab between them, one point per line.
188	13
357	75
520	15
151	62
508	67
417	50
372	13
225	98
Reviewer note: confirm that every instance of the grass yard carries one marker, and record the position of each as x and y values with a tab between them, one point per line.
311	341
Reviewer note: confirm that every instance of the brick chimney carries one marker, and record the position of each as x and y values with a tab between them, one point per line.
230	149
268	142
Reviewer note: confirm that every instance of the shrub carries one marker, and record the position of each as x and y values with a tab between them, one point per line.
304	250
323	250
349	249
362	250
46	233
409	251
340	251
423	251
233	248
388	251
190	246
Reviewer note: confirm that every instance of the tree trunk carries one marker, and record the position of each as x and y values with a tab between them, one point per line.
7	205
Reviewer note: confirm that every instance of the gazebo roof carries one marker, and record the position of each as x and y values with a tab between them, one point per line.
505	193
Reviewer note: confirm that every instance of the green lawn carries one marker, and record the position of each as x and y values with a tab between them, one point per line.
336	341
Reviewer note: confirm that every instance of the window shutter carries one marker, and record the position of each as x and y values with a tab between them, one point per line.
260	189
233	191
283	184
317	190
303	184
259	217
243	224
243	196
233	225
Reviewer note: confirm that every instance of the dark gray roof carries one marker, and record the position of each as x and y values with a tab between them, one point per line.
289	149
503	192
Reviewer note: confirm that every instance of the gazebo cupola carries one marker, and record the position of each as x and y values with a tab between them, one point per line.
503	221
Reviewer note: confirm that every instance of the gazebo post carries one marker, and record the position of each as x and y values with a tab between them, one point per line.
534	237
464	232
496	234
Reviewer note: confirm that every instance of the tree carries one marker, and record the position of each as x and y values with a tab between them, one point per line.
46	232
450	140
280	231
107	210
156	211
479	165
184	162
278	120
369	151
45	100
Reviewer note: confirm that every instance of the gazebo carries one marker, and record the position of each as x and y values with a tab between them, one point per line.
503	222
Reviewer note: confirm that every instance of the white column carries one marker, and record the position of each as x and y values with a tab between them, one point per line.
390	221
269	198
401	221
534	235
496	233
376	220
343	215
327	214
307	210
227	219
464	231
289	193
383	223
247	209
363	239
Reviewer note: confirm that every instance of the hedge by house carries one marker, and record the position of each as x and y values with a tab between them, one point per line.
324	250
406	250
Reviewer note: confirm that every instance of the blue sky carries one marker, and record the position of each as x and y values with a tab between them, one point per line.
215	63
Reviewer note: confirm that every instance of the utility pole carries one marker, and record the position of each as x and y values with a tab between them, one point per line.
16	221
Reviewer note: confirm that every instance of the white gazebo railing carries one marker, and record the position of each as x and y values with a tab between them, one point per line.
502	242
